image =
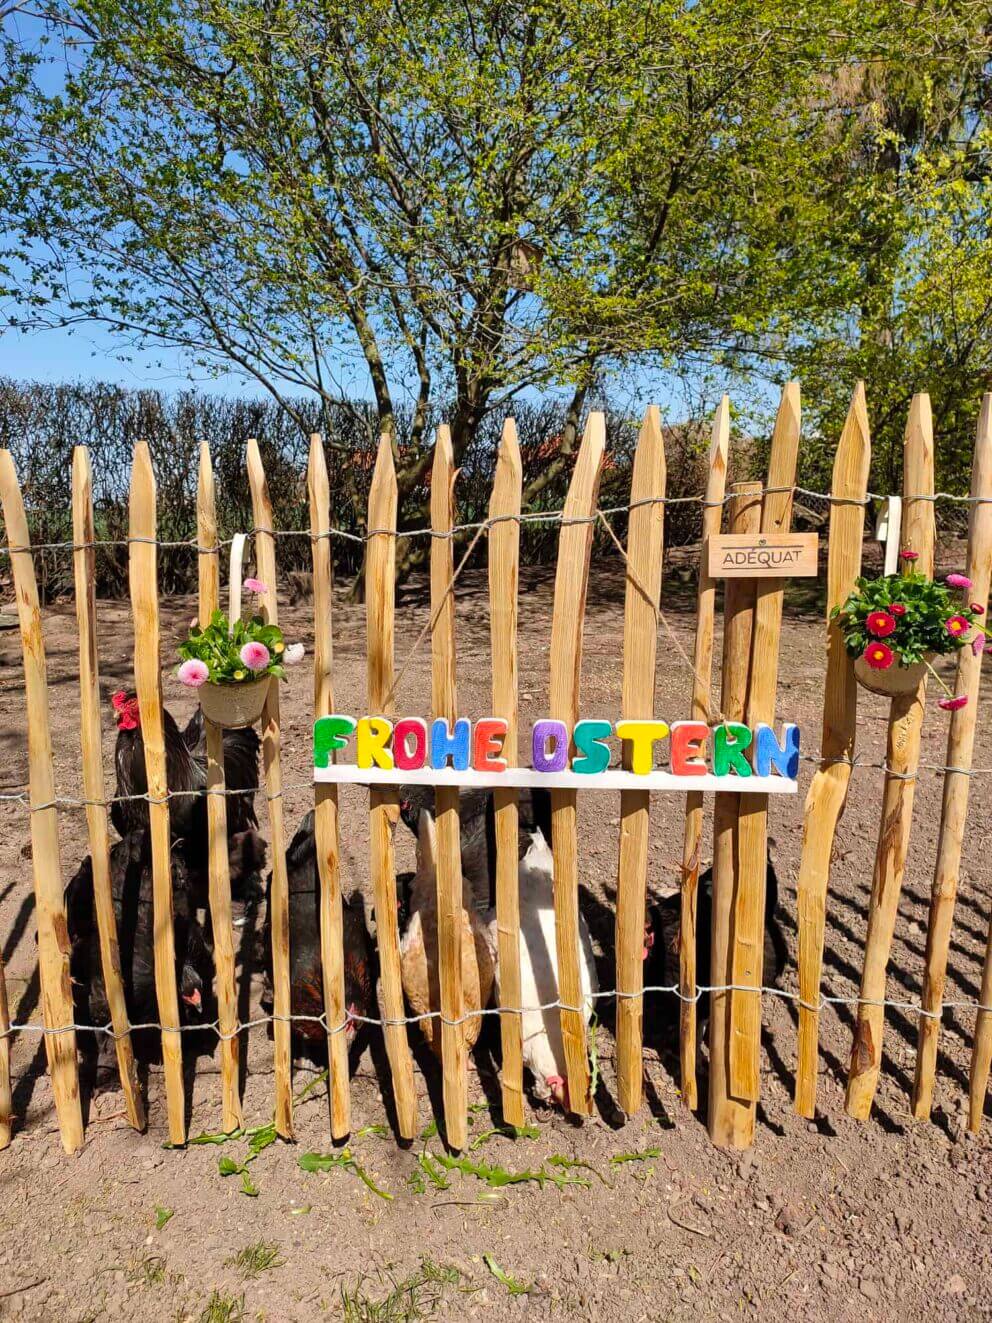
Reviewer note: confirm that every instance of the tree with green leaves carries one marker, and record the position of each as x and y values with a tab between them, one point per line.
451	203
922	179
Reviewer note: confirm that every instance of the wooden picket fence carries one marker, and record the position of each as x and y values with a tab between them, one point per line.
752	617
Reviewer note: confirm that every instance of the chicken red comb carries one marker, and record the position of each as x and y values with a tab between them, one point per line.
128	711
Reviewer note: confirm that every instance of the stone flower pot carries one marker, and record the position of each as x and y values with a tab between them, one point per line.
232	706
898	679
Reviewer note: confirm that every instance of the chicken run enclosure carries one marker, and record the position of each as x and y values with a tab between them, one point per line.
742	696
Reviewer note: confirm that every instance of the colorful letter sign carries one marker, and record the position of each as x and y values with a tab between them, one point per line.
595	755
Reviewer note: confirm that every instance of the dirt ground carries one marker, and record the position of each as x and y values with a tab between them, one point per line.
837	1219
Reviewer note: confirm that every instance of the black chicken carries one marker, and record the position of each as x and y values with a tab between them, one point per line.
186	770
661	968
131	887
307	987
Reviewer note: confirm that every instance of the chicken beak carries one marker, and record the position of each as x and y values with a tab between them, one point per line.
193	999
559	1090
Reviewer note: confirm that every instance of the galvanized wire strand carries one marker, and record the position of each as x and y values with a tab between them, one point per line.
23	796
785	994
527	517
72	802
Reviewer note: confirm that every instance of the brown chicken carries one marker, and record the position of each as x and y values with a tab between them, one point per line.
419	960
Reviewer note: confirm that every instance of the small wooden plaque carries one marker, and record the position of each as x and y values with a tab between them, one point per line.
763	555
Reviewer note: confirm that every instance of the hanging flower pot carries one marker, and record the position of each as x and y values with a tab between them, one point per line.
894	626
896	679
233	662
232	706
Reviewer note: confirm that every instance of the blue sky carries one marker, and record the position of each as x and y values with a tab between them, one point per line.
90	353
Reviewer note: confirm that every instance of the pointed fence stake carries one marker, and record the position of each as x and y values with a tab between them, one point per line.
148	683
219	869
46	864
960	749
827	794
94	787
902	760
326	827
716	483
384	804
504	568
752	845
730	1120
444	703
567	624
265	560
645	541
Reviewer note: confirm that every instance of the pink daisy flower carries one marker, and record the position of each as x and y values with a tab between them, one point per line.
978	645
255	656
193	672
255	586
879	656
880	623
956	626
978	609
953	704
958	581
910	555
897	608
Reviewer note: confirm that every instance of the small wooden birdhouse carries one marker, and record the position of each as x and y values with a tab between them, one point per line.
525	264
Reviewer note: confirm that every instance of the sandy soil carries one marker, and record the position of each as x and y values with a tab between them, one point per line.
839	1219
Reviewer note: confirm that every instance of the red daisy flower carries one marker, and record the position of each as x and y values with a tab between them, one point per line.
910	555
880	623
978	609
952	704
956	626
897	608
879	656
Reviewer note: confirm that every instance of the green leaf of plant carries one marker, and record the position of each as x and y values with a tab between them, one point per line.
514	1286
218	1137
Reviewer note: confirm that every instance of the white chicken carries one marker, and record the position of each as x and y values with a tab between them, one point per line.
543	1048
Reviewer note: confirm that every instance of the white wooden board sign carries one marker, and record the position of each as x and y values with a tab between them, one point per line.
377	751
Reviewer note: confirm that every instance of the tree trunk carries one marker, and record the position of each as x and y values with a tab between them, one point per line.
469	411
566	448
464	424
